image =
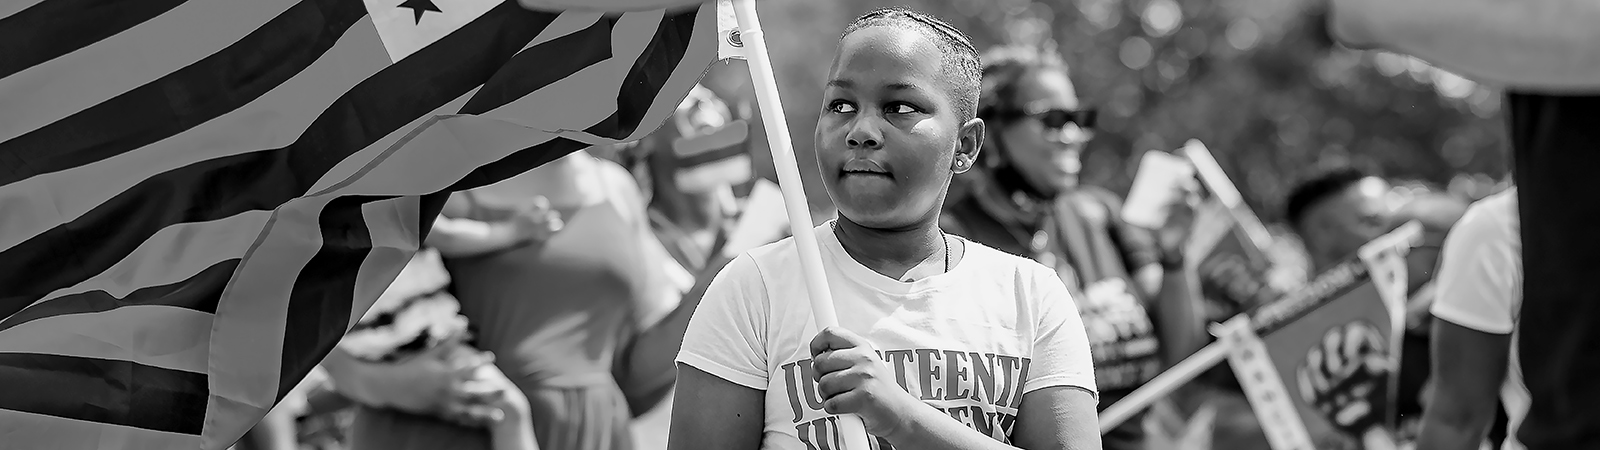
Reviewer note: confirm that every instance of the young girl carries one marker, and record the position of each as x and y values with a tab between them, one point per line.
943	343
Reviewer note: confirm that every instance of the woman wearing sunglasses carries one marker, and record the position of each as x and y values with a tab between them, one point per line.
1025	199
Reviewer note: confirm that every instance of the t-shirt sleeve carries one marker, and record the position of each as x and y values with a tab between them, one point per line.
727	333
1480	275
1060	345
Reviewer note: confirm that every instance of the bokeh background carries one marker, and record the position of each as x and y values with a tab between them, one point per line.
1256	80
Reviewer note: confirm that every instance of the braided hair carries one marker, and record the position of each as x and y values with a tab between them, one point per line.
960	61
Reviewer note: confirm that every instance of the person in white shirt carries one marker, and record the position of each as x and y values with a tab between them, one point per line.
1474	359
942	343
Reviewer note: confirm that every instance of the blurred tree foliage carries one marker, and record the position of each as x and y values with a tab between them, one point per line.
1256	80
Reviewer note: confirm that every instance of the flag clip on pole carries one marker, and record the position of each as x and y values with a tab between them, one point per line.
852	432
1274	408
1163	384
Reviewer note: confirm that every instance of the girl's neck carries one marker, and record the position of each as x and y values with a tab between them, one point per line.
893	252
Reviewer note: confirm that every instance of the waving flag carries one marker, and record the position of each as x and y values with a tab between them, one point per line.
200	197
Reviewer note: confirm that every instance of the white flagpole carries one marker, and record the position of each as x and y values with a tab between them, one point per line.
851	430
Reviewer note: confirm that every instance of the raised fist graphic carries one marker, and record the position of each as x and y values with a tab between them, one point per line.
1343	377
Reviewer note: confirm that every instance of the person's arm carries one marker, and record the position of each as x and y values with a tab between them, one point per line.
1178	307
1477	287
1536	45
1180	315
460	237
722	365
710	412
418	385
1469	366
646	371
1141	250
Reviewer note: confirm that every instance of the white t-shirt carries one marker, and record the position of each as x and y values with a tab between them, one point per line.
969	342
1480	287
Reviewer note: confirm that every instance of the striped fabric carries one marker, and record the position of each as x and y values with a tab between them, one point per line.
199	197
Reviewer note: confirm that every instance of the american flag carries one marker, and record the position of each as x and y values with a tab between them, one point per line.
199	197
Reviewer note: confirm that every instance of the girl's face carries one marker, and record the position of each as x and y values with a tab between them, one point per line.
1045	139
889	128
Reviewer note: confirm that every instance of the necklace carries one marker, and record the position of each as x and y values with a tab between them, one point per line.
943	238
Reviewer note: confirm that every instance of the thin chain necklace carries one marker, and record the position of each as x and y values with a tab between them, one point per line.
943	237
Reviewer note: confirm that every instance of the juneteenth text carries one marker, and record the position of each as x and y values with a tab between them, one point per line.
980	390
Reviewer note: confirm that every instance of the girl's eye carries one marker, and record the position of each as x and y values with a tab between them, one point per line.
841	107
900	108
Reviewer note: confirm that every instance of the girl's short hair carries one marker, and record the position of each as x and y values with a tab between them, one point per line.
960	56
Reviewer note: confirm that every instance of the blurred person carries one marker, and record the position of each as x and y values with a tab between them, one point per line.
1337	211
1474	362
689	172
552	312
413	315
898	122
1025	199
1546	57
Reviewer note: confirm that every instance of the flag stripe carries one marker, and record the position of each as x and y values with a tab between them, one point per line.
198	292
251	327
588	95
641	89
574	51
35	431
246	336
319	306
58	27
190	96
222	187
359	161
695	50
120	334
273	120
173	42
180	251
396	235
173	254
104	391
14	6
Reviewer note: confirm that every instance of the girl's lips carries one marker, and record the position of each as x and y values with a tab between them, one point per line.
864	166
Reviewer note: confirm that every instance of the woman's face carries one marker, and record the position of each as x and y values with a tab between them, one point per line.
1043	149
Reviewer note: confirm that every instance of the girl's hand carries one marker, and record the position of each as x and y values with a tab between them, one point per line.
852	380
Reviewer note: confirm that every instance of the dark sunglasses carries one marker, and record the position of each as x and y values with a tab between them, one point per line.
1056	119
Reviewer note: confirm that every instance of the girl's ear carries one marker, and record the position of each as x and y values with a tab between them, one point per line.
967	148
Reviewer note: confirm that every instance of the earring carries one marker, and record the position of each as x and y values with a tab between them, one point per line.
961	165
